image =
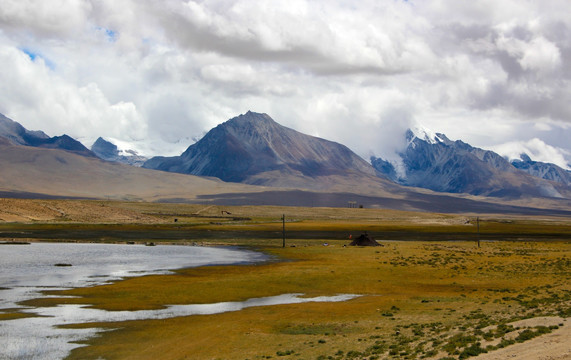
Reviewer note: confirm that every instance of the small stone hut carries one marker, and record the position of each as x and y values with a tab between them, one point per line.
364	240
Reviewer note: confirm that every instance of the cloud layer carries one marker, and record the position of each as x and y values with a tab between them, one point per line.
161	73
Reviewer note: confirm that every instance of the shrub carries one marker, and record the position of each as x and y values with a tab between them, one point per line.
473	350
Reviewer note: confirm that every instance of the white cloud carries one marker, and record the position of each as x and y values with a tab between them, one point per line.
537	54
31	91
166	71
541	55
537	150
43	18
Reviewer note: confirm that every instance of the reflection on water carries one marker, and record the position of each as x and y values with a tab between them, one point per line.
39	338
26	270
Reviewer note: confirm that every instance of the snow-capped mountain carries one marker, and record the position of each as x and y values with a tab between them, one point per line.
433	161
108	151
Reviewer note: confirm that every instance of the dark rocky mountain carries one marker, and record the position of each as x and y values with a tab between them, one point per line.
543	170
16	134
108	151
254	149
437	163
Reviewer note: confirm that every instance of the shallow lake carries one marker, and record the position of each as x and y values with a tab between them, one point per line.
26	270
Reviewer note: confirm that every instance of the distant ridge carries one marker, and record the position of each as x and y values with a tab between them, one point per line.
16	134
543	170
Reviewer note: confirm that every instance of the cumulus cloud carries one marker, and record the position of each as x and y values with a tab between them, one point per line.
310	35
31	91
162	72
42	18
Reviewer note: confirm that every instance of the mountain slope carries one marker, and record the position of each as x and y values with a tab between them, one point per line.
254	149
443	165
18	135
543	170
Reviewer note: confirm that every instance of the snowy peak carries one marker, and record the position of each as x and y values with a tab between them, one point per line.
422	133
108	151
434	162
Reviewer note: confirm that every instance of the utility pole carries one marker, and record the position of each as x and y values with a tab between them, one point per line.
283	229
478	225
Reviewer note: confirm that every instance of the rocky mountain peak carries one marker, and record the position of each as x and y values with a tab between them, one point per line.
524	157
542	170
104	149
251	146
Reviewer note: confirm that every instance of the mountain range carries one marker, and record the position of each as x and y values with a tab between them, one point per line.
542	170
251	159
437	163
254	149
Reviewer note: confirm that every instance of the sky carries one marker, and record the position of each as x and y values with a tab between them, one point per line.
156	75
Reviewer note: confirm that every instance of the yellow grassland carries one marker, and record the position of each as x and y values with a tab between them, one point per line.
402	283
417	297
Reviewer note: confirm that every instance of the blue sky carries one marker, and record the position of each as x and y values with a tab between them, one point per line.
34	56
156	75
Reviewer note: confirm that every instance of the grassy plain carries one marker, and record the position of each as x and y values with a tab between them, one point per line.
440	297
